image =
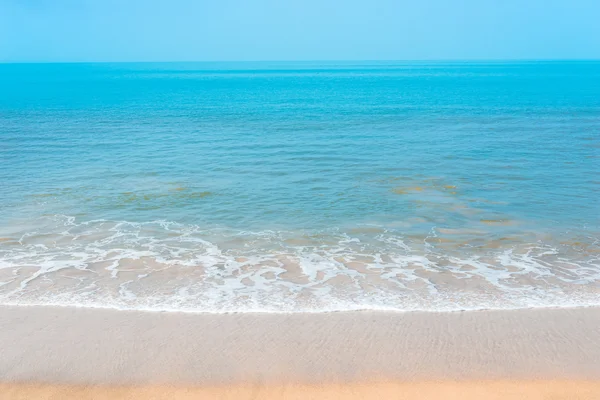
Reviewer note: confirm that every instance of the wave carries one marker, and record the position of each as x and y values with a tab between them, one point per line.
168	266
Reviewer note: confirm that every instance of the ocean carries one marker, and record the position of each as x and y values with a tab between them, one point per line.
300	187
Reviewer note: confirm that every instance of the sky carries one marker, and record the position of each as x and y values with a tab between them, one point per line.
254	30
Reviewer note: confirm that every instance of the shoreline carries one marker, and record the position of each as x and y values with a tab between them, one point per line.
303	312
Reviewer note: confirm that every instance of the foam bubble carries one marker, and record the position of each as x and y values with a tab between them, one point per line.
163	265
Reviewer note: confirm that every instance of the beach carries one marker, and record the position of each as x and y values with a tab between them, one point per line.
62	352
300	230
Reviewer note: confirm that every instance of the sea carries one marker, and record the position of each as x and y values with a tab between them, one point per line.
300	186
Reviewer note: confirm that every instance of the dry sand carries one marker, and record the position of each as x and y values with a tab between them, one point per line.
485	390
63	353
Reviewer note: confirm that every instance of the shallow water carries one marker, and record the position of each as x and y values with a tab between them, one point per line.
300	187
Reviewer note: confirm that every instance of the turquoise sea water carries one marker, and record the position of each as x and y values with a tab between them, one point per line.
300	186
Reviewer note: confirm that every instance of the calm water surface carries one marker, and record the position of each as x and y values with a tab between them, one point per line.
300	187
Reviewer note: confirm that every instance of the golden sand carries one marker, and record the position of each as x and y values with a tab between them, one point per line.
478	390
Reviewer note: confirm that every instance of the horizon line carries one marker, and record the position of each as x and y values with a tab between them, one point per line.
439	60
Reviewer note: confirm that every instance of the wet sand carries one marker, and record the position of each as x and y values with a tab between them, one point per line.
52	352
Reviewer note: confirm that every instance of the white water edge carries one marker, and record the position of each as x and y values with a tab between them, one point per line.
162	266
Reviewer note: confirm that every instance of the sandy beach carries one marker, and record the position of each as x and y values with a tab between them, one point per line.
489	390
219	229
54	352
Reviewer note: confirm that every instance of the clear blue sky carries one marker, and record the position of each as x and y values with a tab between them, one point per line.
215	30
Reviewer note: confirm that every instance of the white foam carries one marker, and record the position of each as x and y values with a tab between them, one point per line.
166	266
